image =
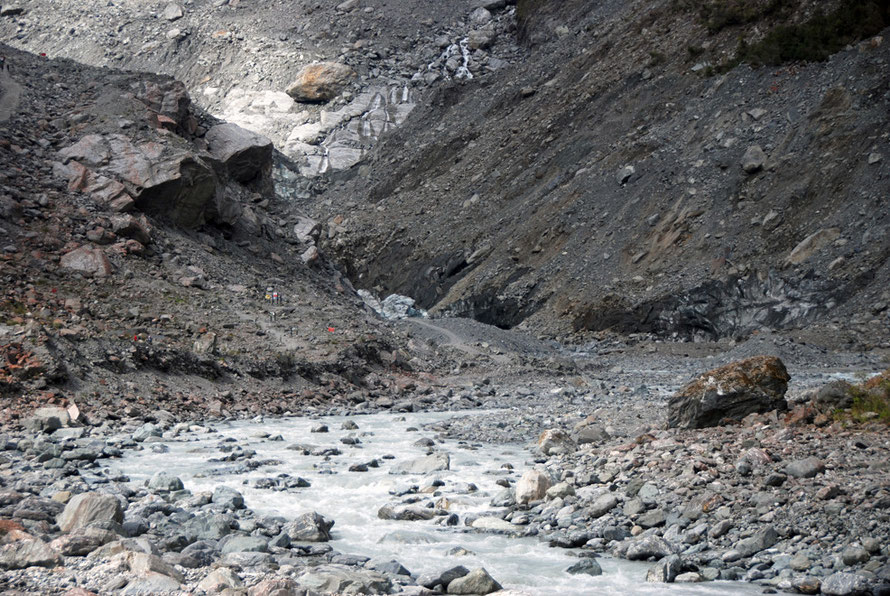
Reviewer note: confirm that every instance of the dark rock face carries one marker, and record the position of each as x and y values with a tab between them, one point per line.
246	154
730	392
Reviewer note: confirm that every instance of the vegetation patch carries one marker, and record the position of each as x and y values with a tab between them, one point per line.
717	15
820	36
871	400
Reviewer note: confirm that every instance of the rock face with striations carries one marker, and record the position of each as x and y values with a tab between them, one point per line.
730	392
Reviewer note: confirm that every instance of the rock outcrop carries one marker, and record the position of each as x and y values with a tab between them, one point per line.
730	393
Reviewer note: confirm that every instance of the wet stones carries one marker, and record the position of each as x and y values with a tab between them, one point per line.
424	465
321	82
309	527
532	486
730	392
477	581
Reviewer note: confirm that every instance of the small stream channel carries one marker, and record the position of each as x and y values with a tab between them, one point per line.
352	499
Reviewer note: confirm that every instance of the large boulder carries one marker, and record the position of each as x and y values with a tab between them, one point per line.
180	188
83	541
246	154
47	419
649	546
320	82
87	508
532	486
475	582
845	584
730	393
424	465
554	441
340	579
309	527
836	395
276	586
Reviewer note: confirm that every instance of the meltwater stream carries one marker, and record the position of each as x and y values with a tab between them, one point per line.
352	499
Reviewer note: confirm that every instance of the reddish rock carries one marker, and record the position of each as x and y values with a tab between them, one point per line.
320	82
88	260
277	586
730	393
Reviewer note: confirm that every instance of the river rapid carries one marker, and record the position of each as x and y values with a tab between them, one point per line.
352	498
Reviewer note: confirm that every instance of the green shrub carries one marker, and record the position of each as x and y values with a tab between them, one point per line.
871	400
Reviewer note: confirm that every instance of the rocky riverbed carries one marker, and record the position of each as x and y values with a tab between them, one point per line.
794	501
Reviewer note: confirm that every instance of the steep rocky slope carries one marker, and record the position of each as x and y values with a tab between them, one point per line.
140	238
613	181
596	166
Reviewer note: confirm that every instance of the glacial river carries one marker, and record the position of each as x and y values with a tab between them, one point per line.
352	499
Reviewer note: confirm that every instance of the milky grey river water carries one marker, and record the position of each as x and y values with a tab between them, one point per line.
352	499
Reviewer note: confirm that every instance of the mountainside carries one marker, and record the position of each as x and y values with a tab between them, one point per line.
562	167
141	246
616	181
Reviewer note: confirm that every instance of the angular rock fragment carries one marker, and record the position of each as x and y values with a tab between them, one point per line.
87	508
730	393
246	155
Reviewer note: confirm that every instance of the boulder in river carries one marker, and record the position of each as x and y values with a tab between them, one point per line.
424	465
431	580
406	512
309	527
666	570
532	486
585	566
730	392
478	581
